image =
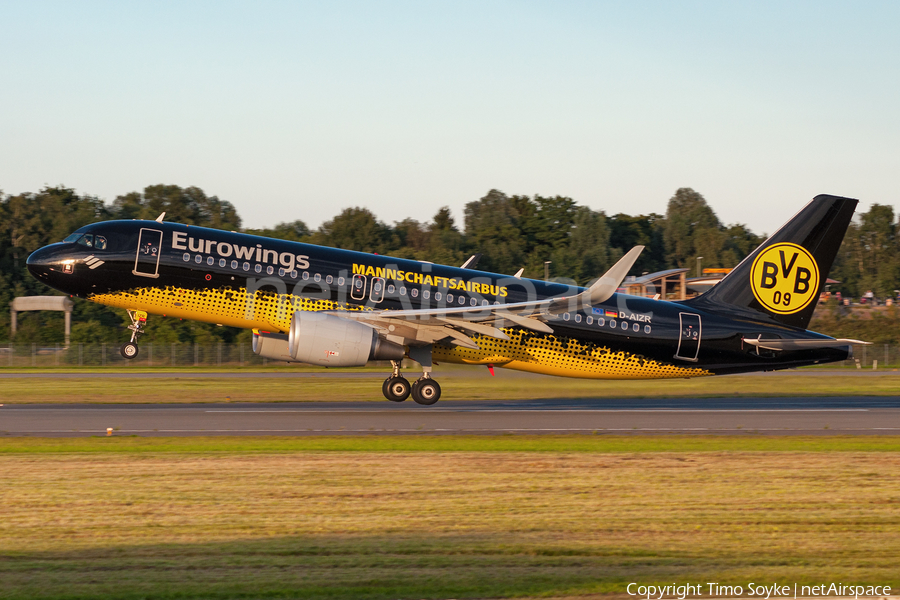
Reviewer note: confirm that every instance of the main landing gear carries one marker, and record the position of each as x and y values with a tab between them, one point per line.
130	349
424	390
396	388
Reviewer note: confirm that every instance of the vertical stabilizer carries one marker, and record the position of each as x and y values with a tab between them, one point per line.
784	276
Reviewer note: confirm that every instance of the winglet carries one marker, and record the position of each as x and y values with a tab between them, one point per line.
159	219
606	286
471	262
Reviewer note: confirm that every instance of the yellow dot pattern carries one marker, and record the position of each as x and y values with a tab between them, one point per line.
526	350
562	356
264	309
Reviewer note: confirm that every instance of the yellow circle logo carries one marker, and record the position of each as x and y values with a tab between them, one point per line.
785	278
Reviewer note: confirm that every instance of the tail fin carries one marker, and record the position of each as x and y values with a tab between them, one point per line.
784	276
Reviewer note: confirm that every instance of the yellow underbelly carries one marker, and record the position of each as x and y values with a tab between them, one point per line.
563	357
263	310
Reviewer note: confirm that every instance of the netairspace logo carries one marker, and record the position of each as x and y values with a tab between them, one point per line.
754	590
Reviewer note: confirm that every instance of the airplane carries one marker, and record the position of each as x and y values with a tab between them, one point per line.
339	308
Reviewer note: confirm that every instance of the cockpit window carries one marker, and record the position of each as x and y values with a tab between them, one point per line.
98	242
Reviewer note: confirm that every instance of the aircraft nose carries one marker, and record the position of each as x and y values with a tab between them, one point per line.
38	263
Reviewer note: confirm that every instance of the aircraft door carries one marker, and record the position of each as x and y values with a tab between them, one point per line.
358	287
689	337
149	248
377	292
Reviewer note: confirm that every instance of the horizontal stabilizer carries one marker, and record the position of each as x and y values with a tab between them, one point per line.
788	345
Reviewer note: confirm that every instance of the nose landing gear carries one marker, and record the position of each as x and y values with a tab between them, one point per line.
130	349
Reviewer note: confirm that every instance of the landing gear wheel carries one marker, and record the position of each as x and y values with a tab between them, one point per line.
426	391
129	350
395	389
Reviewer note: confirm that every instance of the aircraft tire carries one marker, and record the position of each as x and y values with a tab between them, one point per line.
395	389
129	350
426	391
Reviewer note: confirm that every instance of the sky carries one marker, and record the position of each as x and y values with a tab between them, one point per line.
294	110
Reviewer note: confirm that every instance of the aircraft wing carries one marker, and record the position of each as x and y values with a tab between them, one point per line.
428	325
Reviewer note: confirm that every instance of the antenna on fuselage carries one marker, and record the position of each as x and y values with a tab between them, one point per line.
160	217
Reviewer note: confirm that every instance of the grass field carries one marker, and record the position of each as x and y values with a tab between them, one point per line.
503	387
437	517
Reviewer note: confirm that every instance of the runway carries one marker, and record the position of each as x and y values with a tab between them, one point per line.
733	416
454	372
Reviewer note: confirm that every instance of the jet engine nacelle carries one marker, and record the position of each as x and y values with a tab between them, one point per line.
273	346
322	339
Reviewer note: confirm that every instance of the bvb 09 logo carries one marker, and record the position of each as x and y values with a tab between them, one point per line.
785	278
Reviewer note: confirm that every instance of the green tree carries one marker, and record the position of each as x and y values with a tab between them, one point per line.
868	258
589	248
446	244
190	206
626	232
294	231
355	229
692	229
492	229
